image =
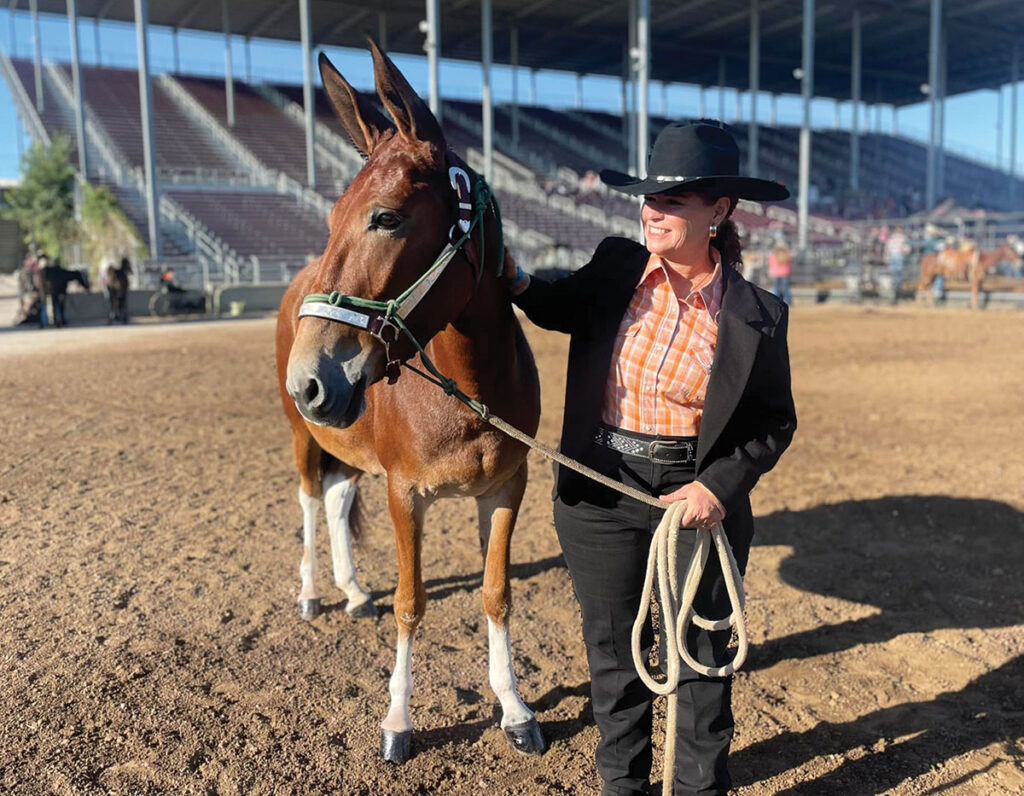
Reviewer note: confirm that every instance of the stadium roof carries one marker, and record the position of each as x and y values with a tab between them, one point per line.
687	36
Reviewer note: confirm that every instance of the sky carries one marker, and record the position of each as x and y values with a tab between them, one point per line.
971	118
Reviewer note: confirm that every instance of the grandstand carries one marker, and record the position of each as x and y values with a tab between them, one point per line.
236	202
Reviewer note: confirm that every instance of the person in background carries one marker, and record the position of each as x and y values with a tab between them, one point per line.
896	250
779	270
678	385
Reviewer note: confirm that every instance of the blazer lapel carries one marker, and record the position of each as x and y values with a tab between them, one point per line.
739	335
606	318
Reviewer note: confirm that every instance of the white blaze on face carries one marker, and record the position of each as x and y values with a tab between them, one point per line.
503	676
307	569
398	718
339	495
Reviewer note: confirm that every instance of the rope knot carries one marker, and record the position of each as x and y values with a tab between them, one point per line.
391	309
449	386
334	298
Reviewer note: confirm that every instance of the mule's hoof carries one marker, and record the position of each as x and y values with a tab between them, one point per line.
526	738
365	610
396	747
309	609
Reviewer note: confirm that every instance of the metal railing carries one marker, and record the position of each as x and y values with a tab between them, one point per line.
22	101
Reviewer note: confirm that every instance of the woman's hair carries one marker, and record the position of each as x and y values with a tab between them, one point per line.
727	241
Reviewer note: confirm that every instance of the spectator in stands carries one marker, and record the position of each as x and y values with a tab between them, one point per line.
645	325
780	268
896	250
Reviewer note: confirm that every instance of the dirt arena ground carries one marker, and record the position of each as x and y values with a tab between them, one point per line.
149	556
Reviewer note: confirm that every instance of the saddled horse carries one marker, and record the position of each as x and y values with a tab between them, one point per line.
393	226
55	280
115	281
969	263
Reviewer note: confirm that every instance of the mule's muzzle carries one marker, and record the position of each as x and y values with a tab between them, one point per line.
326	396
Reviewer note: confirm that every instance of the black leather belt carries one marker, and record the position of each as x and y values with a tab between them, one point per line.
659	451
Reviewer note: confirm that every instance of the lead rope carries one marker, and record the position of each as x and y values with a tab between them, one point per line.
677	611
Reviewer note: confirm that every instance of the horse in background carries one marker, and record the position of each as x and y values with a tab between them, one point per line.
400	211
54	281
967	262
115	285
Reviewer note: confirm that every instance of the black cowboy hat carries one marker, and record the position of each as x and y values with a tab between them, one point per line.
700	157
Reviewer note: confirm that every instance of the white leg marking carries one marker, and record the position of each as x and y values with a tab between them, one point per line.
503	676
339	494
307	569
398	718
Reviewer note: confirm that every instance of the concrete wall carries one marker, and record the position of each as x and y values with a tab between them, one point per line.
12	246
92	307
258	298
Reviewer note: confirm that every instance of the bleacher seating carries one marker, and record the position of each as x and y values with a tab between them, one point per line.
277	140
260	223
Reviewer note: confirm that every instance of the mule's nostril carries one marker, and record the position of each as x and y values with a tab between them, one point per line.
313	392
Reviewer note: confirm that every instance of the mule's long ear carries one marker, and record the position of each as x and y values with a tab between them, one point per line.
412	116
361	120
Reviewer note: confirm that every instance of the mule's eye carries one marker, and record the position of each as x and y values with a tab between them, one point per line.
386	219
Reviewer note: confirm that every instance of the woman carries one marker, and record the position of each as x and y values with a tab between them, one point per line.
678	384
780	269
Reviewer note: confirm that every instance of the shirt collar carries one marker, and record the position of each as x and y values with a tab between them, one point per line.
708	297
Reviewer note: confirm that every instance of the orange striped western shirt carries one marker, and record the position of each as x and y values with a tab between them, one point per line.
663	354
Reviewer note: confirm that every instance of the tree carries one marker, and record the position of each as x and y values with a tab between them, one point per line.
105	231
43	204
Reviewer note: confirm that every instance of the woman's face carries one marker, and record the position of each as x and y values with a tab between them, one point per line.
677	226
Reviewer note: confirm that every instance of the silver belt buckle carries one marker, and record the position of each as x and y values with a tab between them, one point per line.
683	446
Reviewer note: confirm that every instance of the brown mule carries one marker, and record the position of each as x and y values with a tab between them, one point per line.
971	264
385	232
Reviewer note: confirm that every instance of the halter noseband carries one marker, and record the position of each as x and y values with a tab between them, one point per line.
385	320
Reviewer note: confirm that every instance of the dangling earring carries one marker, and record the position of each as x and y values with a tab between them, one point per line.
713	230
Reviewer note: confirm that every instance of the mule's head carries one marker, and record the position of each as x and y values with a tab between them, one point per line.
385	232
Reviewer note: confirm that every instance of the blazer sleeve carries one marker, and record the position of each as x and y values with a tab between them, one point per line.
562	305
766	425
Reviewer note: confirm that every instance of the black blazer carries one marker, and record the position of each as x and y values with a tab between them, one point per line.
749	417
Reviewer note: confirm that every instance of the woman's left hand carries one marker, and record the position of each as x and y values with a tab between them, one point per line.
702	507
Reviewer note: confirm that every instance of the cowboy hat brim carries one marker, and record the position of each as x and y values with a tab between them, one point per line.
723	185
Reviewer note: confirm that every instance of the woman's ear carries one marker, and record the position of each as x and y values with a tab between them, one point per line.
723	206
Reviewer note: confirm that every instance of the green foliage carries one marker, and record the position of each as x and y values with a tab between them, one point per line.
105	231
43	204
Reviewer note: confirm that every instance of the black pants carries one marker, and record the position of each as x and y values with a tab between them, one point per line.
605	537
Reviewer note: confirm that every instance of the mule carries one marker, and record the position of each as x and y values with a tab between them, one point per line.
55	280
115	282
968	263
400	211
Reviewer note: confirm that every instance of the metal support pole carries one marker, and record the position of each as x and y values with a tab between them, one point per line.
486	42
177	54
999	127
533	86
433	48
306	34
664	99
579	91
229	81
37	58
96	41
11	39
513	48
148	144
643	44
753	166
382	30
1014	80
76	82
835	116
803	205
935	42
721	88
774	118
940	154
703	103
248	60
630	118
855	103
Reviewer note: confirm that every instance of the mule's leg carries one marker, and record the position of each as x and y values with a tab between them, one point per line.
307	459
407	510
340	487
497	520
